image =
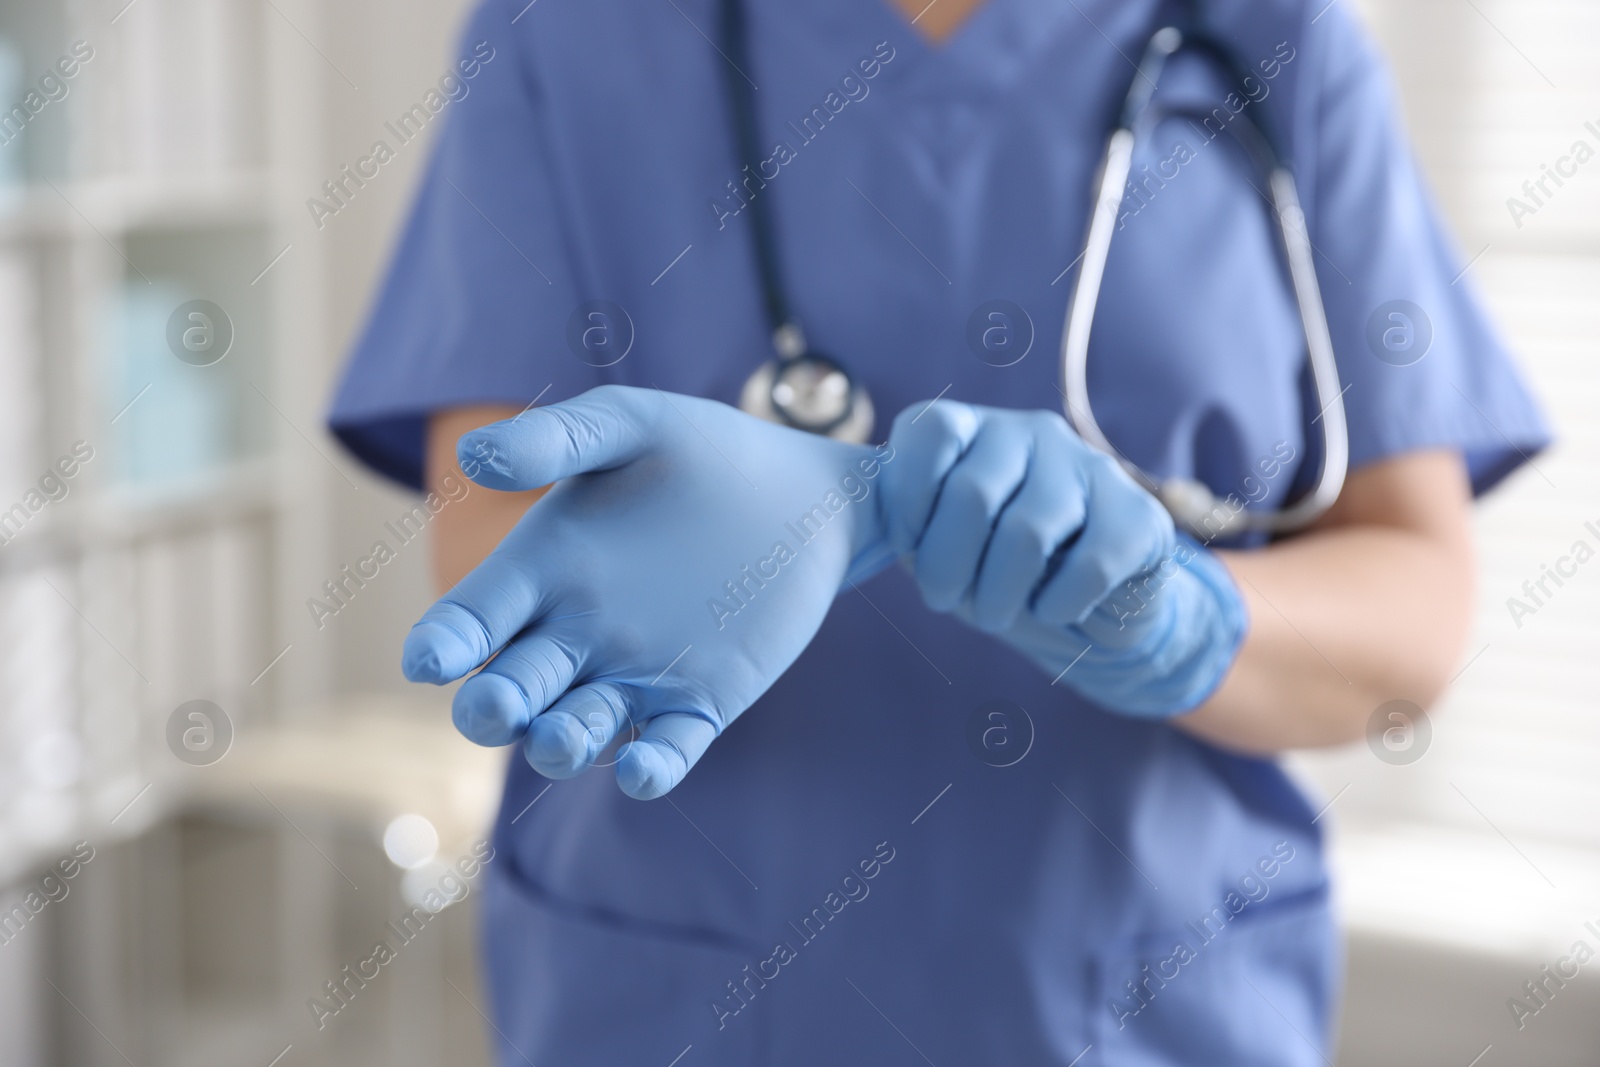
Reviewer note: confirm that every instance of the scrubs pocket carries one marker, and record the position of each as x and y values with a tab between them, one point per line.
1256	993
573	989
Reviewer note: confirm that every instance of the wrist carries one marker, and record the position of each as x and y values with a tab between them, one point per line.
1210	638
1162	645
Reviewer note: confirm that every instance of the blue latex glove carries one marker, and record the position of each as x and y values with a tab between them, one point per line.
685	559
1010	520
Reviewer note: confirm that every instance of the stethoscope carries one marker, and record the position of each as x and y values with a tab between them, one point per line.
811	391
1192	504
802	387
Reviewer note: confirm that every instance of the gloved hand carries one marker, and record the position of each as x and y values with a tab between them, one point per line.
685	559
1011	521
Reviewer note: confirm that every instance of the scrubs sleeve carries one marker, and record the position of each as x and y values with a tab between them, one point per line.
1423	366
476	302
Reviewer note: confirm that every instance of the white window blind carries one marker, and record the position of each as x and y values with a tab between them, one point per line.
1493	90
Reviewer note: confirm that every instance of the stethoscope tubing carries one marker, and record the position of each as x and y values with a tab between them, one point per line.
793	352
1192	504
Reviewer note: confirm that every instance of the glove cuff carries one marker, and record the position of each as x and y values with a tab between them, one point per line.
871	546
1185	656
1219	634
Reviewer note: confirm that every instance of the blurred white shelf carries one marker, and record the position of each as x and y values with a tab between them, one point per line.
1469	891
361	762
126	512
224	492
119	204
350	766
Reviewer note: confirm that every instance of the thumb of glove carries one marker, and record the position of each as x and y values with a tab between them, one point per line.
603	428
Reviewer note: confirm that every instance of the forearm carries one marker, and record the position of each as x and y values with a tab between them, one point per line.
468	530
1345	618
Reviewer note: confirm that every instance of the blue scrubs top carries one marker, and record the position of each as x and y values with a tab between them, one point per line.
1120	893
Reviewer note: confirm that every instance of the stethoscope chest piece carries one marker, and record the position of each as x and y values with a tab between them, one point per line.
810	392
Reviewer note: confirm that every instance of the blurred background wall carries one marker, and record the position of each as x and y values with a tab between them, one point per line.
242	851
1467	850
228	885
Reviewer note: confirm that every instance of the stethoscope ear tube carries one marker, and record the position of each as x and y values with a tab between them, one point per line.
1319	353
1086	297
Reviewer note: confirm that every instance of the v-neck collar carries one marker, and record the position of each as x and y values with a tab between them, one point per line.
983	9
994	46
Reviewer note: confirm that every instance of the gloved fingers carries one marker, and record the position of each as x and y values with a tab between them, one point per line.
569	737
927	440
495	706
1047	511
597	430
975	491
466	626
668	746
1126	531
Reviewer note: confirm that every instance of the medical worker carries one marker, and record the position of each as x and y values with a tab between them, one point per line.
950	746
